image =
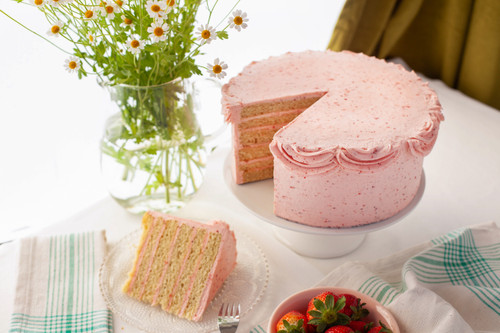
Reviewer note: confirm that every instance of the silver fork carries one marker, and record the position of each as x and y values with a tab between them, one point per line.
229	318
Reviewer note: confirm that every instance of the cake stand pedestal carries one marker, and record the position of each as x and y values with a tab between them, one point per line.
318	246
307	240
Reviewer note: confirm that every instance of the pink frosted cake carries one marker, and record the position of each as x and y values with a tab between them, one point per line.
181	264
353	155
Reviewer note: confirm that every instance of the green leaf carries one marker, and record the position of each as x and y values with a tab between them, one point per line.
222	34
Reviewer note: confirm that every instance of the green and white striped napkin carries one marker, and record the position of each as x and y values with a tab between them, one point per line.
450	284
58	284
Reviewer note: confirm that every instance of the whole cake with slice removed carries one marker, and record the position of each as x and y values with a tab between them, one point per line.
180	264
345	134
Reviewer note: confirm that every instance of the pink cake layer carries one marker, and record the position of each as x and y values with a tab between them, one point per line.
355	156
237	144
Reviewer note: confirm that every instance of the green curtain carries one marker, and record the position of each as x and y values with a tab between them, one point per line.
457	41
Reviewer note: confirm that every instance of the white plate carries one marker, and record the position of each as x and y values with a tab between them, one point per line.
258	198
246	285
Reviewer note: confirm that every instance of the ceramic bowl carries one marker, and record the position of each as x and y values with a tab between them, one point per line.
299	301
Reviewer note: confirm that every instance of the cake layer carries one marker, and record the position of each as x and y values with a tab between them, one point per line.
180	264
273	118
256	174
252	152
265	107
258	135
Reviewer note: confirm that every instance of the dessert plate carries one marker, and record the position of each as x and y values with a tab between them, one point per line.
246	285
258	198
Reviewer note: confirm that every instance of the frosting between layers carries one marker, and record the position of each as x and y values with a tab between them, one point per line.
350	124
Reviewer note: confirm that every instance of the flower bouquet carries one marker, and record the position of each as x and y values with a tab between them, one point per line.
144	52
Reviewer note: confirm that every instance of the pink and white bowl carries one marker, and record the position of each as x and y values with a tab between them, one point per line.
300	300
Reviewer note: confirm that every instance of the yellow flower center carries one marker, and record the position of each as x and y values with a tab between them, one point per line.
38	2
135	43
55	29
217	69
127	21
238	20
91	38
155	8
72	64
170	3
205	34
109	9
119	3
158	31
89	14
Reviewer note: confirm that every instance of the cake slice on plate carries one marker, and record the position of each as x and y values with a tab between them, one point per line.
180	264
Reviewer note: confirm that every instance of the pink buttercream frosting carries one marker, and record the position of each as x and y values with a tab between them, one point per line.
370	115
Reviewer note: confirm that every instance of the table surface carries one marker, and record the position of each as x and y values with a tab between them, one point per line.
462	188
462	175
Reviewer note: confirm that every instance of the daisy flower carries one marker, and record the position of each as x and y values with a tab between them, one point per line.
238	20
206	34
56	3
72	64
110	9
126	22
156	9
55	29
91	13
120	3
38	3
171	4
91	38
217	69
135	44
158	31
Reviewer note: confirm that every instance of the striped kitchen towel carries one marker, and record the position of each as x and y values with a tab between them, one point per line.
58	284
447	285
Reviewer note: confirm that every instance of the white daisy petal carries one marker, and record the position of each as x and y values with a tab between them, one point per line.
55	29
158	31
217	69
206	34
238	20
156	8
135	44
72	64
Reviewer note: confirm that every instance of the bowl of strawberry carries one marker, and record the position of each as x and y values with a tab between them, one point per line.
331	310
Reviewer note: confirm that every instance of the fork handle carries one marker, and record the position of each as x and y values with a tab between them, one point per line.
228	329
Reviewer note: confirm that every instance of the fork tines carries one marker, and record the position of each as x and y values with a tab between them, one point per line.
230	310
229	317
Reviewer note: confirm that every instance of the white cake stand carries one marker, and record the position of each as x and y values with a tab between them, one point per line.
307	240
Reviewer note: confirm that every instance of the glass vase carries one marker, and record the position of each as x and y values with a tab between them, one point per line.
153	151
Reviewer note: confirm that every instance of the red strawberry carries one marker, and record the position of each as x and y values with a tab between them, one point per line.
321	297
323	311
292	322
360	326
350	300
339	329
380	329
353	307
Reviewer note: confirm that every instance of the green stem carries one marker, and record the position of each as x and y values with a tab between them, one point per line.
25	27
167	177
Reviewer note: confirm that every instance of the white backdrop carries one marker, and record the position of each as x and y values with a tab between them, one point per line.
51	122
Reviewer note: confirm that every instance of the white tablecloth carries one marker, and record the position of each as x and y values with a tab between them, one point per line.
462	188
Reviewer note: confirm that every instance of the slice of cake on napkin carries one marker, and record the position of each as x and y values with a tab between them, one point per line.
181	264
353	154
